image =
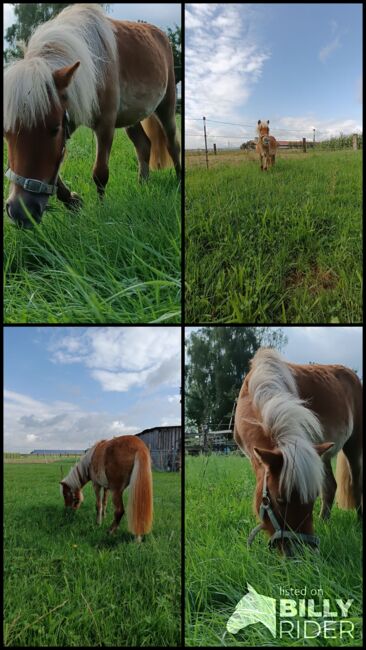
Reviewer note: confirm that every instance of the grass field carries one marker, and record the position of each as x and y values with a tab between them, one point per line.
69	583
116	261
218	518
277	247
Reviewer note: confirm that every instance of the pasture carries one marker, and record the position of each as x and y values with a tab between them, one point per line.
116	261
218	519
283	246
69	583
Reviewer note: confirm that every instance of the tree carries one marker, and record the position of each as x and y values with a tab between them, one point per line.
28	17
217	361
175	38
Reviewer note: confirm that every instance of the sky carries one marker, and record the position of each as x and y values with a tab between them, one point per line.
321	345
297	65
67	387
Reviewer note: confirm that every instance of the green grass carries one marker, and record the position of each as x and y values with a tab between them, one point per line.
116	261
219	517
283	246
69	583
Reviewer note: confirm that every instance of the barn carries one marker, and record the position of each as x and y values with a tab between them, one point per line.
57	452
165	444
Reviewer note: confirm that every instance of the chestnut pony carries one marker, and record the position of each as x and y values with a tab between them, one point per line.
266	145
83	68
113	465
290	420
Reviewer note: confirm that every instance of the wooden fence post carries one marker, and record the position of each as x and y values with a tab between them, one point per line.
304	145
215	152
204	131
354	141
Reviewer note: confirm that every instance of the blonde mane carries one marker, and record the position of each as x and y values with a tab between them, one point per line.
81	32
292	424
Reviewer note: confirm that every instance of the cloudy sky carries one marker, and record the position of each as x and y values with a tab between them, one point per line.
322	345
298	65
68	387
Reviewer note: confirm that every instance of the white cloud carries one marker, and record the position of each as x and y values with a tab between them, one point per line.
121	358
328	49
223	61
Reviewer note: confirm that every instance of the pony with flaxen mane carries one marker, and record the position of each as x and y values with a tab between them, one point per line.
83	68
290	421
114	465
266	145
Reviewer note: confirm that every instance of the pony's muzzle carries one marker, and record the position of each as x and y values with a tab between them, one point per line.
17	209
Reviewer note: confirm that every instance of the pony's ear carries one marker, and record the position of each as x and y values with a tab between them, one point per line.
273	459
323	447
259	121
267	121
63	76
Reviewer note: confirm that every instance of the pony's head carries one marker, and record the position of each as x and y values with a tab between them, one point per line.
285	508
262	128
36	127
72	498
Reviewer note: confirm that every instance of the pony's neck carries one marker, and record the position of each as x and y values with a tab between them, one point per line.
79	475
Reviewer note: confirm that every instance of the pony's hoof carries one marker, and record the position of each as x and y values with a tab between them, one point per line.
75	202
138	539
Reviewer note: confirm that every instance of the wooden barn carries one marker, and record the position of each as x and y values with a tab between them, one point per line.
165	444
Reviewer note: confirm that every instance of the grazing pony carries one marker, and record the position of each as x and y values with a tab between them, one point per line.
290	420
266	145
82	67
115	464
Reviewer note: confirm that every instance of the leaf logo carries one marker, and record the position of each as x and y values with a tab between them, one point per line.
253	608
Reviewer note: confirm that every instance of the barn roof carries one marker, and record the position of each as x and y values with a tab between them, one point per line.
173	426
58	451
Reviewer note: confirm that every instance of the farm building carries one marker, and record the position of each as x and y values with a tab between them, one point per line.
165	447
58	452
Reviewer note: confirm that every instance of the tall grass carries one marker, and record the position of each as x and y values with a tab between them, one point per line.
283	246
116	261
69	583
219	517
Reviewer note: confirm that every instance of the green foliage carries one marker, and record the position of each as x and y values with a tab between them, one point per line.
69	583
28	16
116	261
218	567
283	246
175	38
218	358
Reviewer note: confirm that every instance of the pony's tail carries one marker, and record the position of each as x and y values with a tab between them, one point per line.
344	495
159	155
140	503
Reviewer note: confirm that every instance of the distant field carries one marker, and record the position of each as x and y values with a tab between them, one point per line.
218	519
116	261
283	246
67	582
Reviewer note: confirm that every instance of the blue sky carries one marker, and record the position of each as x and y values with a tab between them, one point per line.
297	65
321	345
67	387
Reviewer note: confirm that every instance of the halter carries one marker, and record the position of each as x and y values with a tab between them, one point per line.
266	508
34	185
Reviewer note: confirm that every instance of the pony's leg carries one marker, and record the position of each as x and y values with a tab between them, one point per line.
166	114
261	161
104	136
142	145
118	510
328	490
354	456
99	503
70	199
105	499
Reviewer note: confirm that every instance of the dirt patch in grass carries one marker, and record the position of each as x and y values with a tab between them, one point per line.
318	280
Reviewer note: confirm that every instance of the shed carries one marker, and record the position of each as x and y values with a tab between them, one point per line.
165	444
